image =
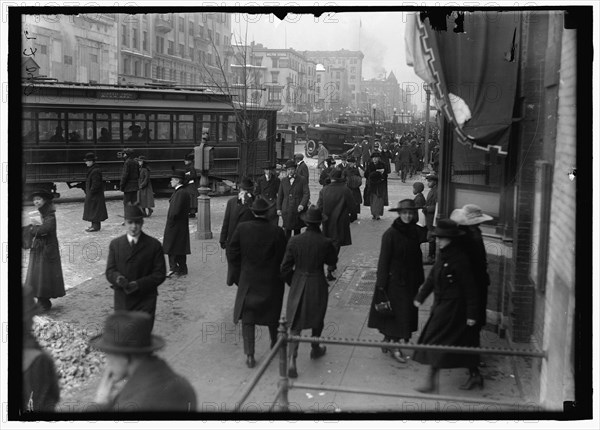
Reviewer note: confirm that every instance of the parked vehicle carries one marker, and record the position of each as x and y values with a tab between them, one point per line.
334	139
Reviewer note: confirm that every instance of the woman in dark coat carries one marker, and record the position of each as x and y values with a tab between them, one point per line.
302	269
94	207
399	275
192	183
376	193
145	192
455	308
44	272
354	182
256	251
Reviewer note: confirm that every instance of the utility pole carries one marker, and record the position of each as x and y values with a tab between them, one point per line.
426	150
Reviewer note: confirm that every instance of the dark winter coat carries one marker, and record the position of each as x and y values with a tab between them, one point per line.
129	176
302	268
154	386
348	173
399	275
176	238
430	202
145	193
44	272
337	203
40	391
289	198
472	244
302	170
324	178
376	182
419	200
268	191
235	213
94	207
143	263
455	301
191	176
256	251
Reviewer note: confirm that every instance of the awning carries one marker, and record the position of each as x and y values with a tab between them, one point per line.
473	75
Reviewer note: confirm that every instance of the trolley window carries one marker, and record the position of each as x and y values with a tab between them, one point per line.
227	128
160	126
206	126
51	127
77	127
29	127
135	128
184	127
108	127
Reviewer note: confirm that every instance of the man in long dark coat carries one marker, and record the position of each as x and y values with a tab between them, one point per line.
267	187
129	177
429	212
301	167
256	251
292	200
176	238
191	177
302	269
94	207
135	266
353	181
324	178
337	204
237	211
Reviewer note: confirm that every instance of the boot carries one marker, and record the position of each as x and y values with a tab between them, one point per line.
431	381
317	352
250	361
292	371
398	355
474	380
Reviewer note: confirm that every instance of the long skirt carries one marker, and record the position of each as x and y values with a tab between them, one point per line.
376	205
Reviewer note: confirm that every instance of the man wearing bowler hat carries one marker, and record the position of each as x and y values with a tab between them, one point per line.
302	269
176	238
129	177
135	266
267	187
256	251
151	385
94	207
292	199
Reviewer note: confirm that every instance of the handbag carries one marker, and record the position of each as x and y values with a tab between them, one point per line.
384	308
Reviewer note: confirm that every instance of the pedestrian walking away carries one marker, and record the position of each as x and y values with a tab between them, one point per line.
135	267
237	211
301	167
256	251
150	383
44	271
338	207
94	206
292	199
176	238
453	315
129	177
267	187
324	177
192	180
353	182
399	275
145	192
302	269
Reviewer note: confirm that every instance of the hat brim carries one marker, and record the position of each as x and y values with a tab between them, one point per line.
448	233
156	343
477	220
408	209
323	219
46	195
262	211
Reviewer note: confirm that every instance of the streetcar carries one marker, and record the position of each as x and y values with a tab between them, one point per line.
61	122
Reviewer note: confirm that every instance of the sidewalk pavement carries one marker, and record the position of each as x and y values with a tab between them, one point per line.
207	346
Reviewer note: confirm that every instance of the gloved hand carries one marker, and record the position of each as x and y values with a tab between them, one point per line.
122	281
223	245
130	287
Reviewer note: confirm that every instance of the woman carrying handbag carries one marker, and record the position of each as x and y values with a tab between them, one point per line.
399	275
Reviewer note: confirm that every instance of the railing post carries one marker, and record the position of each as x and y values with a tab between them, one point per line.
283	366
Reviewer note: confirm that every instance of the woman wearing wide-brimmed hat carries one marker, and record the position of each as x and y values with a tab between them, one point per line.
145	191
302	269
455	308
44	272
151	385
94	206
399	275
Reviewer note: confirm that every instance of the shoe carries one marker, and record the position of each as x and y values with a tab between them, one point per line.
250	361
172	273
330	277
398	355
123	223
292	371
150	212
475	379
91	229
45	304
317	352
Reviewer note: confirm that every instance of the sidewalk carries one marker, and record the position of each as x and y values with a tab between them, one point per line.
206	346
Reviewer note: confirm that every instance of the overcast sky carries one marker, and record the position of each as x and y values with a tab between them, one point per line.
380	36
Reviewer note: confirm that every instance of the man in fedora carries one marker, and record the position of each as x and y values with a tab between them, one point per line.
237	211
292	199
176	238
302	269
129	177
256	251
324	177
151	384
135	266
267	187
94	206
429	212
301	167
338	206
193	183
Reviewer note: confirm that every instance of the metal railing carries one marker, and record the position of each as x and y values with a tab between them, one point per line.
284	384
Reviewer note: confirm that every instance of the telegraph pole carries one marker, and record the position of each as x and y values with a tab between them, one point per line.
426	159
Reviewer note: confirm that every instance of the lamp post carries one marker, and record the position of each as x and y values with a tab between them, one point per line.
374	113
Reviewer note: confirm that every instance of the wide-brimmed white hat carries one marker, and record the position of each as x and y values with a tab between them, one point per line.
472	215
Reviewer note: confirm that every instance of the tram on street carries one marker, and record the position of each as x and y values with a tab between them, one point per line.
61	122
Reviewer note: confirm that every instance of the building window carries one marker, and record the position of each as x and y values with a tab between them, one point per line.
191	28
43	49
181	49
201	31
124	35
135	38
182	77
126	66
352	69
68	59
181	24
209	58
171	48
147	70
217	38
352	77
145	40
191	54
337	75
93	58
274	77
274	94
210	35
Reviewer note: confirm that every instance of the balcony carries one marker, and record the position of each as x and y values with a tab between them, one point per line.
200	39
163	24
